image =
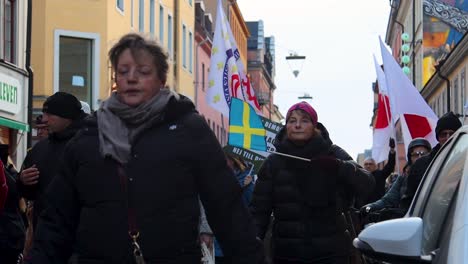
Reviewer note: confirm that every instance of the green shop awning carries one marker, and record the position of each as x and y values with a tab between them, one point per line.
14	124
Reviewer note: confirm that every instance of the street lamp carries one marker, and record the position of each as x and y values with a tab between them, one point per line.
305	96
295	63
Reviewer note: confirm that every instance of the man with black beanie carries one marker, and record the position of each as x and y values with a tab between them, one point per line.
63	116
446	126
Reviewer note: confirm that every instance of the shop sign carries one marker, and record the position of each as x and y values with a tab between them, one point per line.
10	94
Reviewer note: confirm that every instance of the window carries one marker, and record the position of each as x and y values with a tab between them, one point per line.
131	13
10	31
76	65
169	36
151	18
190	48
141	15
454	95
442	193
184	46
203	76
120	5
161	25
462	88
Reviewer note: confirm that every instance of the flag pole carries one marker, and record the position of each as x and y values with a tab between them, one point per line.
287	155
390	119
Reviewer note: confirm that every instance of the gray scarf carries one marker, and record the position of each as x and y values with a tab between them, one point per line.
120	125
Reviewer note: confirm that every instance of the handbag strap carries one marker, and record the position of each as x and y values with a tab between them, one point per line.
133	231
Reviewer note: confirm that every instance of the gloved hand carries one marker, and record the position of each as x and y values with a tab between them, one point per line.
391	143
366	209
328	162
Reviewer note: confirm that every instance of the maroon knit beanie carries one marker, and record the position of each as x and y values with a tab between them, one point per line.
304	106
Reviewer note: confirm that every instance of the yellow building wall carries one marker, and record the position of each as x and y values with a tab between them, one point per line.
39	53
106	20
187	18
71	15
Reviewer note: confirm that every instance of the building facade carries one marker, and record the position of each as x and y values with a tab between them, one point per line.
71	40
261	65
14	78
218	123
205	19
435	42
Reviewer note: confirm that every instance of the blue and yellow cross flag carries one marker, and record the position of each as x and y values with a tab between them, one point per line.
245	127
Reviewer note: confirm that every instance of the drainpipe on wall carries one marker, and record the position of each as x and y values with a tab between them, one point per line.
30	71
448	87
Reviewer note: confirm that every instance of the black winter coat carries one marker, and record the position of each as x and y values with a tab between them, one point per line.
12	228
47	155
171	166
415	176
380	176
307	200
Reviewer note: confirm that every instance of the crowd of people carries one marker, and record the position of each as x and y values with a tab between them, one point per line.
144	180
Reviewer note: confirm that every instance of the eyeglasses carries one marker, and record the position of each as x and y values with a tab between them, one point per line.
418	153
446	134
368	164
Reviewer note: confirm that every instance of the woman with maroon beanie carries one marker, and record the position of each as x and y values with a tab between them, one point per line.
307	198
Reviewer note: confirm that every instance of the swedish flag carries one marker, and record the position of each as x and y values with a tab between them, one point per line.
245	127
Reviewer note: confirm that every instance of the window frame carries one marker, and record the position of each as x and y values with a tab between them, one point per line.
120	5
96	44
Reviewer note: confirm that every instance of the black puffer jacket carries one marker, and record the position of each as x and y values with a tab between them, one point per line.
172	164
307	200
12	228
47	155
415	176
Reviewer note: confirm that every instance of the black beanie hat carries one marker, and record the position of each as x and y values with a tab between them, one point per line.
447	121
64	105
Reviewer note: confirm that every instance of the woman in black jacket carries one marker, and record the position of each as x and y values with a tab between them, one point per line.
307	197
12	227
130	185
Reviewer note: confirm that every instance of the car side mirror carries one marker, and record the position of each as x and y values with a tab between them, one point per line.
396	240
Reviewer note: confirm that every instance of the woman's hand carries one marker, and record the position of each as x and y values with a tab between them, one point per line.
247	180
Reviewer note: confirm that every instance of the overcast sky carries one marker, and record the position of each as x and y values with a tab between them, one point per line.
338	38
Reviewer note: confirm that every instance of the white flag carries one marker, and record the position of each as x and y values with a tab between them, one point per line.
416	117
383	123
227	77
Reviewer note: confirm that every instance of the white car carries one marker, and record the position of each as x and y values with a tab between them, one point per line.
435	229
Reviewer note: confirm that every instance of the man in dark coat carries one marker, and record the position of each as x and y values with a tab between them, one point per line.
63	115
380	175
446	126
